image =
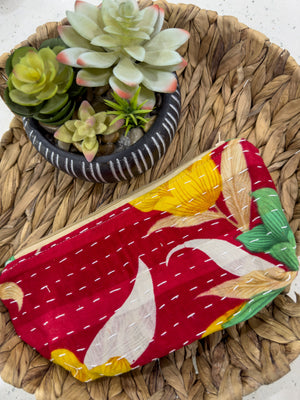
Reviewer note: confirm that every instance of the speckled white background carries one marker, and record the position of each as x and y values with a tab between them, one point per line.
277	19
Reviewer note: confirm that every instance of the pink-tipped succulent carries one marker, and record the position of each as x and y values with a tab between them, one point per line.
121	45
83	132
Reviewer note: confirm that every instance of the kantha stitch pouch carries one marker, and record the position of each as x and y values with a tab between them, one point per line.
195	252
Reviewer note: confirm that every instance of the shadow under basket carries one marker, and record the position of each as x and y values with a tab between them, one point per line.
236	84
122	165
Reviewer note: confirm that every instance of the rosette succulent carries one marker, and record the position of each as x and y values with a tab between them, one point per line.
39	86
83	132
119	44
37	76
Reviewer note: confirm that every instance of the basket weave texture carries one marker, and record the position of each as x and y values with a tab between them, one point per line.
236	84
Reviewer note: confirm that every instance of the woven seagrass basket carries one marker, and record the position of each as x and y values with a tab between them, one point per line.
236	84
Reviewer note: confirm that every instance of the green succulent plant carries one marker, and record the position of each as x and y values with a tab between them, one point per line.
37	76
39	86
129	111
119	44
83	132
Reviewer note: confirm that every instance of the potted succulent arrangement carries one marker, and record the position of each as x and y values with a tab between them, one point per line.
101	102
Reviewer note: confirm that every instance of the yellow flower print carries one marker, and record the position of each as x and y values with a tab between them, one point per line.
191	192
68	360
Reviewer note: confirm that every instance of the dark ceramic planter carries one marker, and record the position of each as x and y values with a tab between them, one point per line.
115	167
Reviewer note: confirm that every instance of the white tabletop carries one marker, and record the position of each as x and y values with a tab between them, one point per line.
277	19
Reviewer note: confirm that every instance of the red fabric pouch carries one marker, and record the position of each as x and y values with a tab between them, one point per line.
195	252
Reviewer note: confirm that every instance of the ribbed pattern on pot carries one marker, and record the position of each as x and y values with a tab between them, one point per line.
236	84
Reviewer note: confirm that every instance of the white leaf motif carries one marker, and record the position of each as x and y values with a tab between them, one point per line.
129	331
229	257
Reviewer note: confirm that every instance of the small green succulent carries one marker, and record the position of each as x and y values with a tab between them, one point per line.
39	86
37	76
119	44
129	111
83	132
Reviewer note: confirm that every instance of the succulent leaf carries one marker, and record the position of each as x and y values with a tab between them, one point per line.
54	104
108	11
146	98
48	91
56	44
83	131
149	17
70	56
102	129
162	58
58	49
68	112
83	25
24	99
170	39
8	65
93	77
136	38
159	21
173	67
32	59
89	144
72	39
106	41
97	59
113	29
26	74
24	111
49	60
71	124
115	126
64	134
157	80
29	88
127	73
58	118
89	148
9	83
120	88
85	111
64	79
18	54
100	122
87	9
137	52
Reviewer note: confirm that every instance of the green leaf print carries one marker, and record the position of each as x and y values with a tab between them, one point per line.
252	307
285	253
270	211
257	239
274	236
